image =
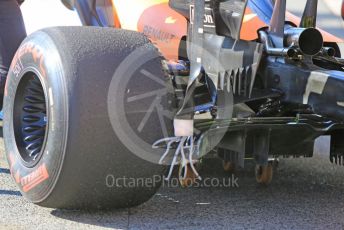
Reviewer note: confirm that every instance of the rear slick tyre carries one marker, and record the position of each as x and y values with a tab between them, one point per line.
59	141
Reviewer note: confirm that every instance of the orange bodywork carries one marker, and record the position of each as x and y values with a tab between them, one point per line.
166	28
161	24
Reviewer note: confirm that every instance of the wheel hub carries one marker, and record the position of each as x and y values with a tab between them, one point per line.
30	118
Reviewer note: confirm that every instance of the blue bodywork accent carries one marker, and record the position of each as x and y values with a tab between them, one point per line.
334	74
102	16
263	8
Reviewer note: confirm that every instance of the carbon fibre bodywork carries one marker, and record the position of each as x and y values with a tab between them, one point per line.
293	97
168	28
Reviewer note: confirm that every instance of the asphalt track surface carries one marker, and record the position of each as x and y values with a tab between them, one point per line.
305	194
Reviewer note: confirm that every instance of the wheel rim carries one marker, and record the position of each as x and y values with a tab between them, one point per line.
190	176
30	118
229	166
264	174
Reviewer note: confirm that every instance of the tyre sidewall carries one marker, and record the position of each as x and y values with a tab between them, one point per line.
37	182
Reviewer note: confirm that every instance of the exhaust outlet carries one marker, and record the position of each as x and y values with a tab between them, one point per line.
285	52
328	51
309	40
